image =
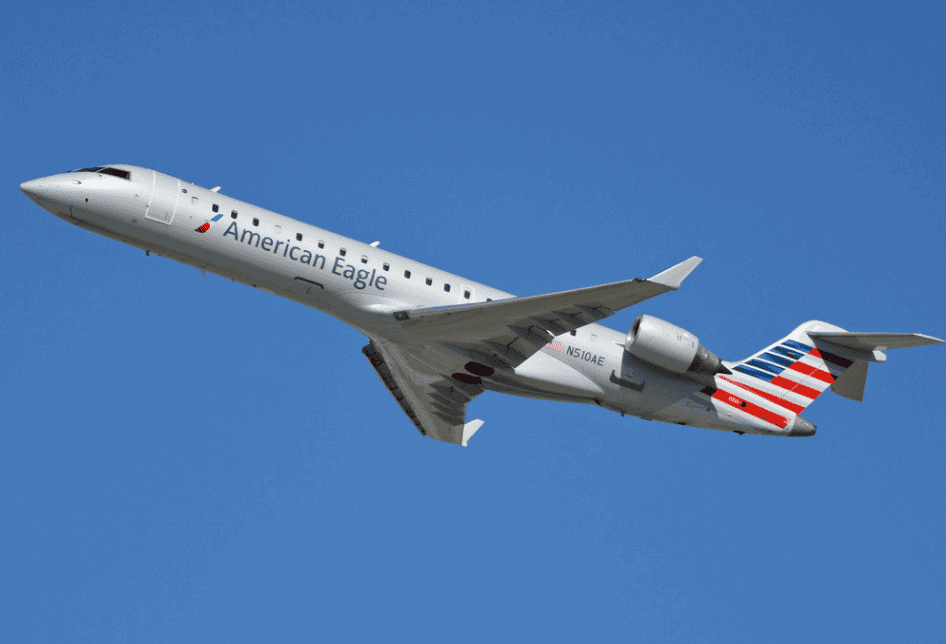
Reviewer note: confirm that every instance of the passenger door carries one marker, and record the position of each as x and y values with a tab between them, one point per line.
165	194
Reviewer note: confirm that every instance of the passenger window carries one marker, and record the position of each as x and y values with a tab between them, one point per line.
342	251
407	274
298	236
466	294
215	208
233	214
489	299
321	244
573	332
429	281
255	221
364	259
446	287
386	266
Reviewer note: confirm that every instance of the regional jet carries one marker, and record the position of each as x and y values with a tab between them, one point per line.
438	340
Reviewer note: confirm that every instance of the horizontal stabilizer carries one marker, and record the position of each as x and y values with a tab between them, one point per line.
874	341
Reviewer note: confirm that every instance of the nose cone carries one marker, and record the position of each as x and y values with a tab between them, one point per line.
43	190
802	427
49	192
32	189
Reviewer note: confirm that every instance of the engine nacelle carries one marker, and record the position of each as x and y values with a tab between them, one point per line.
672	348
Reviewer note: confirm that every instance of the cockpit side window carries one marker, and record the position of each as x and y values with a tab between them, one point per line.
115	172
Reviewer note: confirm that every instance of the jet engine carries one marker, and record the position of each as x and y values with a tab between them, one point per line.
672	348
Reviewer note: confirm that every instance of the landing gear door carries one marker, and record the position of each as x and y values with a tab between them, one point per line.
165	194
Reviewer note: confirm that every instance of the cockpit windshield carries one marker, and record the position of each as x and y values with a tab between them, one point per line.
115	172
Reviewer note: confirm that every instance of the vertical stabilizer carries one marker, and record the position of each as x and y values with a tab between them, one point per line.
797	369
793	372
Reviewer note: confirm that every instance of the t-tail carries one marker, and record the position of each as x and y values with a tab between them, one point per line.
786	377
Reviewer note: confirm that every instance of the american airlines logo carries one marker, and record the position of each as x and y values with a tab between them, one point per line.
204	227
555	345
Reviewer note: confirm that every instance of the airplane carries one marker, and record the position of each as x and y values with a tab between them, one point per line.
437	340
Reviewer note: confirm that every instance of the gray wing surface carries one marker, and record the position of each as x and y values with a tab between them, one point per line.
435	402
504	333
872	341
417	364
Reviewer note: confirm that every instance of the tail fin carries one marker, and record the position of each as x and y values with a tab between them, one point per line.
797	369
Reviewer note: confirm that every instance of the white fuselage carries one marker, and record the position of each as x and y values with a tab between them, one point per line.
360	284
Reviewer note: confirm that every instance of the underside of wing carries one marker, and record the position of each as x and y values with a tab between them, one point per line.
435	402
437	361
875	341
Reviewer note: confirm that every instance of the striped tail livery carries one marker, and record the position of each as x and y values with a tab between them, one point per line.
771	388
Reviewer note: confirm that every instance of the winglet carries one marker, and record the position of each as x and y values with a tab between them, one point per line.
674	276
469	429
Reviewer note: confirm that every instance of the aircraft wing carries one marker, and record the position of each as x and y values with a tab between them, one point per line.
426	366
504	333
434	402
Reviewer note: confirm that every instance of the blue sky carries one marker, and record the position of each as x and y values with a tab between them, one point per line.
187	459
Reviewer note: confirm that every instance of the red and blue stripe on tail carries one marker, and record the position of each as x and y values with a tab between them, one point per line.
775	385
790	373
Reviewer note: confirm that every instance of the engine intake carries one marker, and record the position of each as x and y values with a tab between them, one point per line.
672	348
